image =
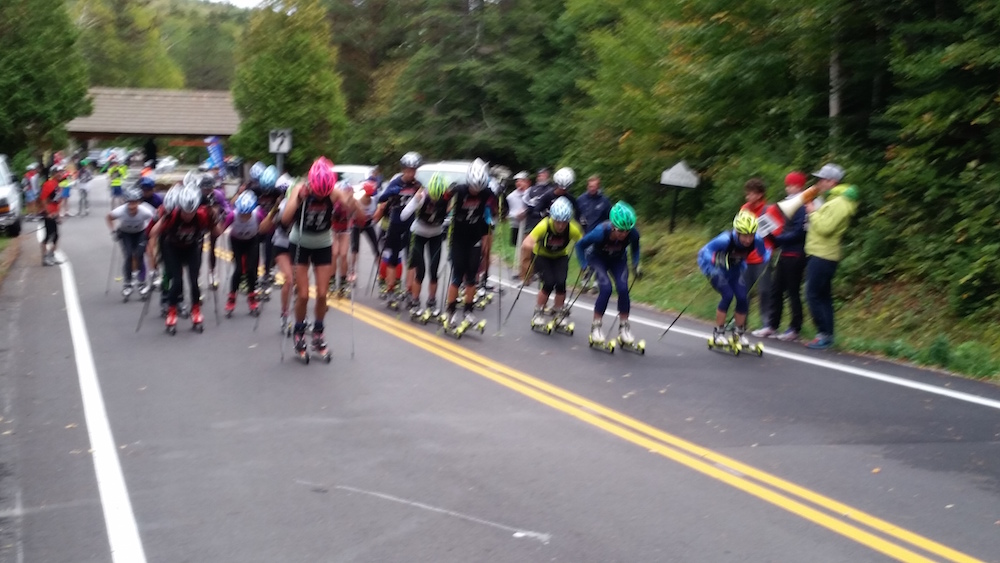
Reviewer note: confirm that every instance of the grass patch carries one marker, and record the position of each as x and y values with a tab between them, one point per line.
904	321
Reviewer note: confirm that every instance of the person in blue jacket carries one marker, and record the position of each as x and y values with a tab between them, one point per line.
602	253
723	260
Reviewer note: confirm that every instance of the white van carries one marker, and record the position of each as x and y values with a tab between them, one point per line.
454	171
354	174
10	200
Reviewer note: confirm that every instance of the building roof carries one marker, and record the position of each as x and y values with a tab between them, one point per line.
137	111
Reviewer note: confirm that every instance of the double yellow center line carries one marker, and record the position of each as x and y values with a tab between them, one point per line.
845	520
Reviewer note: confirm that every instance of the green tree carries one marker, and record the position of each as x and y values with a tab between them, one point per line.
122	46
286	78
42	75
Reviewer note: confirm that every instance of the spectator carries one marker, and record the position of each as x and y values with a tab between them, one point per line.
517	210
31	184
827	226
50	199
789	269
537	199
757	275
593	205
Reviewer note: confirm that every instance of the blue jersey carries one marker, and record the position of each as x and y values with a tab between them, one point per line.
605	248
398	194
728	244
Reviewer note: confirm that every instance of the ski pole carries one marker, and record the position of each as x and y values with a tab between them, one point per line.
111	267
523	282
145	309
696	296
352	320
499	278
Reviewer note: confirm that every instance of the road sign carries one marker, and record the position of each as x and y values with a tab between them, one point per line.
280	141
680	175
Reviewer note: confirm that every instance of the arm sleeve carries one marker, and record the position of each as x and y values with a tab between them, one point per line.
634	245
412	205
591	238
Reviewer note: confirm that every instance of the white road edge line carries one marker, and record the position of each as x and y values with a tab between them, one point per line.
123	532
869	374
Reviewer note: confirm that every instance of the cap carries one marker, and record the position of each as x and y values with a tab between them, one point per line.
795	179
522	175
830	172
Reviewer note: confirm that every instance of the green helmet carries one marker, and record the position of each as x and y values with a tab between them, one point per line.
622	216
745	223
436	187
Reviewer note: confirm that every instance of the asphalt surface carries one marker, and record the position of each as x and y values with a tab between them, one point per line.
516	446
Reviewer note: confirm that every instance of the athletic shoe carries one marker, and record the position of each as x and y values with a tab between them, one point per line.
788	336
765	332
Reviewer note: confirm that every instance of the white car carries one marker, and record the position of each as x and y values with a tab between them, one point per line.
354	174
454	171
166	164
10	200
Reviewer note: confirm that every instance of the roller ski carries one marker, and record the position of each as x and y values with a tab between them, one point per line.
539	323
144	289
286	326
126	291
343	290
301	346
230	305
171	325
197	321
741	343
431	313
560	322
459	325
628	342
482	298
253	302
318	346
596	339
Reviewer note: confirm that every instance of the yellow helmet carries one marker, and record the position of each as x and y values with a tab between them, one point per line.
745	223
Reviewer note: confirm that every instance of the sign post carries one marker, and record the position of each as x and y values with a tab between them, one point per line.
679	176
279	142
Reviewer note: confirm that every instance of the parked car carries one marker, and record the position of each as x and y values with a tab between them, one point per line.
10	200
354	174
453	171
166	164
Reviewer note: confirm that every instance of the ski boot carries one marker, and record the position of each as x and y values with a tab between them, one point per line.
596	338
740	342
286	327
721	342
253	301
157	280
383	291
197	321
419	314
539	322
172	320
301	346
482	298
560	322
319	344
344	292
126	291
627	341
431	312
144	289
230	305
393	300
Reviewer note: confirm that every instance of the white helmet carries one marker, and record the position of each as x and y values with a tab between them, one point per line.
478	176
561	210
411	160
170	199
189	199
564	177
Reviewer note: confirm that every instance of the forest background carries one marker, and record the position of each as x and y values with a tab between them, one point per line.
904	94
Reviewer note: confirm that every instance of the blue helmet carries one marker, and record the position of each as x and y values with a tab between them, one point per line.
147	183
561	210
246	202
256	170
268	177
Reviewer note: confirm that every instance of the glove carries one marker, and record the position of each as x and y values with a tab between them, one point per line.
638	272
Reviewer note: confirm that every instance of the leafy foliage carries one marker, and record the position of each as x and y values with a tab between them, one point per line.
42	75
286	78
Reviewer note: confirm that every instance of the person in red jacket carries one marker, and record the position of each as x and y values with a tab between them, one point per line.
757	275
50	201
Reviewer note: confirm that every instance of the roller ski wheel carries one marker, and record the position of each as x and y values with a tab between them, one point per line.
197	321
319	349
541	325
171	324
564	328
729	347
420	316
253	303
301	347
602	345
637	347
393	304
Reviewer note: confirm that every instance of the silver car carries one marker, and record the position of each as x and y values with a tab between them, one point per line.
10	200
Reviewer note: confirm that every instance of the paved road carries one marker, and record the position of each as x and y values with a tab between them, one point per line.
513	447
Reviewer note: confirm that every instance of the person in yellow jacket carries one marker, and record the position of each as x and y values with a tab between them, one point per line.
116	175
827	226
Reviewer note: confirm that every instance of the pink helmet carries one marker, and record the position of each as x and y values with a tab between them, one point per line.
322	178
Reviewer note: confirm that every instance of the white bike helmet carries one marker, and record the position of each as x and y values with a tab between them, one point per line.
411	160
478	176
189	199
561	210
564	177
